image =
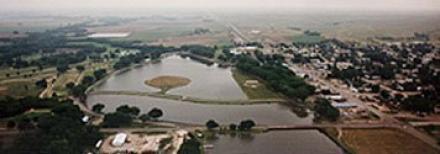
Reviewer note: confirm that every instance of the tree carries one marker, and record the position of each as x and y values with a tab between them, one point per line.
98	108
68	110
190	146
387	72
41	83
418	103
144	117
246	125
324	110
131	111
78	91
155	113
25	124
232	127
211	124
10	124
385	94
117	119
80	68
88	80
99	74
70	85
375	88
52	128
62	68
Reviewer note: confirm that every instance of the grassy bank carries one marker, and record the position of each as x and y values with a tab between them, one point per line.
166	83
260	92
20	89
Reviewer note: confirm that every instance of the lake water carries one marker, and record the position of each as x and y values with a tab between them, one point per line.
276	142
274	114
108	35
206	81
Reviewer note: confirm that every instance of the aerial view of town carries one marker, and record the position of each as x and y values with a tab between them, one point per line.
220	77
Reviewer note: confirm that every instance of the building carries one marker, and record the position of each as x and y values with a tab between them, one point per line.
345	105
119	139
338	98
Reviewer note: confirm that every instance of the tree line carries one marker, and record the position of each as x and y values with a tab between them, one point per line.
278	77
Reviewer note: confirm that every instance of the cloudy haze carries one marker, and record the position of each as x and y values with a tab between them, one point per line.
364	5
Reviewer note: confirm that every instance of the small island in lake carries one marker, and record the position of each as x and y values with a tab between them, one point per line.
167	82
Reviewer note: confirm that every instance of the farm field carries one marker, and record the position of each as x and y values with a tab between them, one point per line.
169	31
383	141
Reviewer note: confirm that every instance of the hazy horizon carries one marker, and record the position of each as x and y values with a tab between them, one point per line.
313	5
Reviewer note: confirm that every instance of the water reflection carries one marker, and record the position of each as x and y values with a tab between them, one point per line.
270	114
206	81
280	142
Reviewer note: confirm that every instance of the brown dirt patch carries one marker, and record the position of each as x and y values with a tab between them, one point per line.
167	82
3	90
384	141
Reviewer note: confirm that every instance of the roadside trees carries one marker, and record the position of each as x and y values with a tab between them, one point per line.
144	117
211	124
62	68
246	125
131	111
99	74
155	113
98	108
117	119
232	127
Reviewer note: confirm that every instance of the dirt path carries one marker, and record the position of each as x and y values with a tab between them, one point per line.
48	92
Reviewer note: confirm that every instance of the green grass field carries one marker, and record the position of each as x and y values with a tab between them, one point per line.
21	89
261	92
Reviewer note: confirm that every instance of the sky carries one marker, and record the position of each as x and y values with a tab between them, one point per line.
365	5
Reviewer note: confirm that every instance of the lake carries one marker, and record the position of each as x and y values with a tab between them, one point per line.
108	35
273	114
276	142
209	82
215	83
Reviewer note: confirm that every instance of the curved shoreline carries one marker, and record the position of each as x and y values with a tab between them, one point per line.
90	90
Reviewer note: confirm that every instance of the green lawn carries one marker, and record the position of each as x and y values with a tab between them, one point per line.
21	88
261	92
31	114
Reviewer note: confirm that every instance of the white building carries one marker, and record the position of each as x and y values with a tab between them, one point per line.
119	139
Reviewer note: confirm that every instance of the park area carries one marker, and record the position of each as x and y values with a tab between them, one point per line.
260	91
